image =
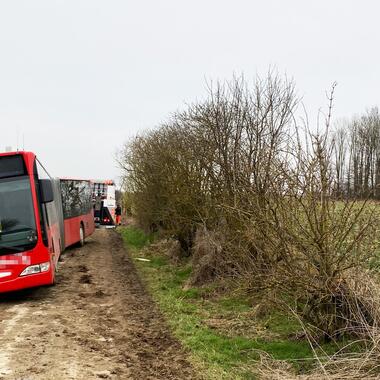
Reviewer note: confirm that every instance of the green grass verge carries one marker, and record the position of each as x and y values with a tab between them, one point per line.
222	334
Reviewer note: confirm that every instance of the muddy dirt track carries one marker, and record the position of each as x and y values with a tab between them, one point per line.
98	322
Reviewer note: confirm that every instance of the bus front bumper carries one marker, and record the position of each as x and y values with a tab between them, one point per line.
28	281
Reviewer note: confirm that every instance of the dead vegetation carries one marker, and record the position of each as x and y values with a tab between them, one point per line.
207	251
362	299
256	198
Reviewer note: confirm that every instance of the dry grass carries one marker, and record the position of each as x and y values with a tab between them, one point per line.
352	367
363	297
206	256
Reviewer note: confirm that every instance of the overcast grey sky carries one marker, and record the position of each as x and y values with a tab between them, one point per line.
78	77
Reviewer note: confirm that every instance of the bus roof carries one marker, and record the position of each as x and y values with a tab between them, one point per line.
74	179
104	181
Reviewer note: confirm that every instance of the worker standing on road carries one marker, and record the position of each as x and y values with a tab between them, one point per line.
118	215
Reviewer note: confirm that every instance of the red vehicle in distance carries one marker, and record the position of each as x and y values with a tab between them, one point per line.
104	200
40	216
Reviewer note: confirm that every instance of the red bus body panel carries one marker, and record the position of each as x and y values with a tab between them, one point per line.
72	227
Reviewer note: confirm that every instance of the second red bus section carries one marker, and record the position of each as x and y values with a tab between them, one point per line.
40	216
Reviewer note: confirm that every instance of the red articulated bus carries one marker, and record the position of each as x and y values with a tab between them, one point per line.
39	217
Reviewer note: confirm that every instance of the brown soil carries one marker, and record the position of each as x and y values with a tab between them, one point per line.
98	322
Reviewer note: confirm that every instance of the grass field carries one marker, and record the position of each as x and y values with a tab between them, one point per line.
223	333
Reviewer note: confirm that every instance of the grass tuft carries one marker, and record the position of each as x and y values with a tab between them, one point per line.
135	238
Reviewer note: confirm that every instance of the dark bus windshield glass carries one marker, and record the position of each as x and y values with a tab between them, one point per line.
17	223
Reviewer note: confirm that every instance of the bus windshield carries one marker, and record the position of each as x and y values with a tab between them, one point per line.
17	223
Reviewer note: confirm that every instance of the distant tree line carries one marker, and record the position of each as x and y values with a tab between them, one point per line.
356	146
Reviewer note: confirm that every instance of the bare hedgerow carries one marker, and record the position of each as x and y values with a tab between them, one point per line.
236	166
182	173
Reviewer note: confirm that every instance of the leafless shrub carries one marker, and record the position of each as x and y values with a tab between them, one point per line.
207	256
307	240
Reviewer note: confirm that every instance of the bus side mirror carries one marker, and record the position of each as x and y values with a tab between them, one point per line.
47	194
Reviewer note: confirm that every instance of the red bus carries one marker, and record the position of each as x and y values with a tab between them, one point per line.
39	217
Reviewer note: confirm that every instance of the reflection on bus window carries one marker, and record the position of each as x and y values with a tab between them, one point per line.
17	222
76	198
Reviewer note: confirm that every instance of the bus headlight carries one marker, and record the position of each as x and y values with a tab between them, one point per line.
31	270
38	268
45	266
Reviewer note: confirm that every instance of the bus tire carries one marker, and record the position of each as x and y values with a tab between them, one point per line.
53	266
54	280
81	235
53	275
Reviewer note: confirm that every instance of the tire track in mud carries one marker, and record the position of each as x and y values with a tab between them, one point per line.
97	323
